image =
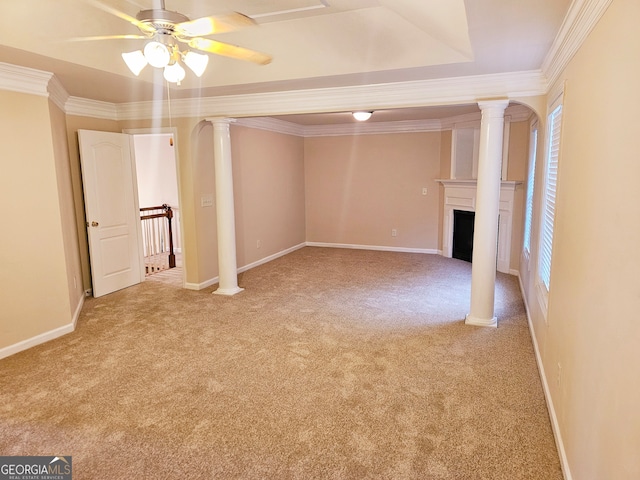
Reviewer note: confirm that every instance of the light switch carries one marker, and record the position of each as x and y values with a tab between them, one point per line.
206	200
424	190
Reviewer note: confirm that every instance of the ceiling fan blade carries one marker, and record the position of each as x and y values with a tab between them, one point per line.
105	37
145	28
228	50
215	24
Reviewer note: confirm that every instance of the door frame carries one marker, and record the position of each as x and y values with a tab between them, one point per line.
163	131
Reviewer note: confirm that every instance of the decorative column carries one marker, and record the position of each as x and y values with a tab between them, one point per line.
227	262
485	235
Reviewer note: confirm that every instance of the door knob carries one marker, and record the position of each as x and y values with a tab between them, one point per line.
94	224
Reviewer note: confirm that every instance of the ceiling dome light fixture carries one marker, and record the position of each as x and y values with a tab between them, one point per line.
362	116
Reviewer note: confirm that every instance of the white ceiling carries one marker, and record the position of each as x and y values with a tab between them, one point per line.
314	43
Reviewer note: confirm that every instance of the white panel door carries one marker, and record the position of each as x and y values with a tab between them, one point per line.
112	213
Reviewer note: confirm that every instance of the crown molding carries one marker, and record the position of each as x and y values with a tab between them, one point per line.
514	113
272	125
372	128
91	108
443	91
57	93
24	80
580	19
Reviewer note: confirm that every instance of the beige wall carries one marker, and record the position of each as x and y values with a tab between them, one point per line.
359	188
517	170
35	295
592	329
67	206
445	172
269	189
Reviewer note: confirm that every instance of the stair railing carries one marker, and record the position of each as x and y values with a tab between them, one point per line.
157	235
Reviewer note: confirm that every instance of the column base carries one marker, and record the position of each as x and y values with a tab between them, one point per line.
480	322
228	291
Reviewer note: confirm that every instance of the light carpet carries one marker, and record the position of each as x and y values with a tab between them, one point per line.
332	364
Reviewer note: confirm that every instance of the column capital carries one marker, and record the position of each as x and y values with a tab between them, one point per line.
494	106
221	121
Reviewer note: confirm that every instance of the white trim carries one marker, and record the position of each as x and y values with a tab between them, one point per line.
85	107
57	93
461	121
517	113
43	337
555	426
578	23
480	322
76	314
430	251
441	91
272	125
213	281
373	128
24	80
202	285
271	257
228	292
461	195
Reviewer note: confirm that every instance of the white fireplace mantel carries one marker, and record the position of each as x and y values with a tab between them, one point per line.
461	195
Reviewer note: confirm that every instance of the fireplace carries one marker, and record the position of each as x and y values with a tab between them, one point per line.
463	235
460	196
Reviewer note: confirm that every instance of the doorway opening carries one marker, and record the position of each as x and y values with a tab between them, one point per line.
158	196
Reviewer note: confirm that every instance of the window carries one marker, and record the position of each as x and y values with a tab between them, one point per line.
549	206
533	147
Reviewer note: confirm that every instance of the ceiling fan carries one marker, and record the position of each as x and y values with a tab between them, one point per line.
175	38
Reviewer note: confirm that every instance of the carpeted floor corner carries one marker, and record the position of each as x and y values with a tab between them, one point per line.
332	364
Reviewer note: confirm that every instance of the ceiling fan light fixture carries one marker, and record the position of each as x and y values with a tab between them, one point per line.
174	73
197	62
157	54
135	61
362	116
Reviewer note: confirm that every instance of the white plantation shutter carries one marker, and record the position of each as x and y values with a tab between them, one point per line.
551	177
530	184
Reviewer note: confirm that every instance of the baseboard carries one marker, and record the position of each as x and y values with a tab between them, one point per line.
213	281
202	285
564	463
43	337
264	260
76	314
374	247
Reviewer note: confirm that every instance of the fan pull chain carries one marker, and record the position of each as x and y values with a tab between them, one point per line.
169	102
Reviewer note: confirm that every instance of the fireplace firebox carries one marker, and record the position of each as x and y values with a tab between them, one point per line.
463	235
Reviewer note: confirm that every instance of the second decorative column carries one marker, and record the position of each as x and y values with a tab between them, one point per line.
485	236
227	262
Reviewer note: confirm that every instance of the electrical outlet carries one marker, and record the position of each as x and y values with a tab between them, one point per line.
394	232
206	200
